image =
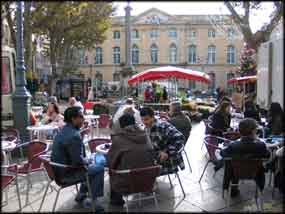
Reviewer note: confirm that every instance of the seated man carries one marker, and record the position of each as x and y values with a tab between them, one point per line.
166	140
248	146
178	119
68	148
74	102
129	150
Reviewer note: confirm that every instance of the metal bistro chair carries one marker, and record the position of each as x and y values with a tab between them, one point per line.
140	180
177	175
48	165
212	144
245	169
11	134
34	164
7	180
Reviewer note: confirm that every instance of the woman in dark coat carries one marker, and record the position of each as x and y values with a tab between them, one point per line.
275	119
251	111
130	149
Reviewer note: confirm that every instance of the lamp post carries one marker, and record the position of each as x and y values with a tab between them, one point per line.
128	69
21	97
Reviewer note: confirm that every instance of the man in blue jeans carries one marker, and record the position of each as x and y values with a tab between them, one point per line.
68	148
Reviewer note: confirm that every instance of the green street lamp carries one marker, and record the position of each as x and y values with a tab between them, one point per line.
21	97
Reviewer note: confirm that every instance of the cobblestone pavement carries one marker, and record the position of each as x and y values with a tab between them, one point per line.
200	197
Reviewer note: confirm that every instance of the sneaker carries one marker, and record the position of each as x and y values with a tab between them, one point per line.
235	193
87	204
80	197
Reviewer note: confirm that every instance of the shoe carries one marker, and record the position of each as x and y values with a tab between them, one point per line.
218	165
235	193
80	197
87	204
117	202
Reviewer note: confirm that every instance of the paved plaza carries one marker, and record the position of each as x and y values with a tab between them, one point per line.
200	197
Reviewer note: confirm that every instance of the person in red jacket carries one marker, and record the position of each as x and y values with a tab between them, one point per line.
33	119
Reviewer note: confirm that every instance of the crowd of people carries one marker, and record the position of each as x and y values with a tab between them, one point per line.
140	138
155	94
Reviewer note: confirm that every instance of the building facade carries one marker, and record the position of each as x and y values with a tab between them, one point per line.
160	39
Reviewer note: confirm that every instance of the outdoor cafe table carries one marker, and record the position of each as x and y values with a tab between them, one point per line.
103	148
41	131
7	146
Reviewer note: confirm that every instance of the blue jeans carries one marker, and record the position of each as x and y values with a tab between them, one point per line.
96	178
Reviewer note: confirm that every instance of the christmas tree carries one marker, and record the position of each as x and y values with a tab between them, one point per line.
248	62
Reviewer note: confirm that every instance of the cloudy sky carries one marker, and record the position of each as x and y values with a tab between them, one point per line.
189	8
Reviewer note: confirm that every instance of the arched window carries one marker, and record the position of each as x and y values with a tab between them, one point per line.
192	54
153	54
116	34
172	54
231	54
116	55
98	56
211	54
135	34
135	54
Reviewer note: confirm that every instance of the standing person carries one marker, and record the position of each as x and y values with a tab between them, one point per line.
129	105
248	146
251	111
164	95
220	93
73	102
129	150
68	148
178	119
147	95
275	119
221	119
166	141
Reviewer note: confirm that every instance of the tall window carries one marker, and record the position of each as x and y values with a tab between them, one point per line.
116	55
172	33
192	34
211	54
231	55
116	34
81	57
153	54
135	54
211	33
135	34
231	33
98	56
212	84
192	54
154	33
172	54
192	84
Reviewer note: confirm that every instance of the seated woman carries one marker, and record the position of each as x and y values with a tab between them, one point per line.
129	150
220	120
53	115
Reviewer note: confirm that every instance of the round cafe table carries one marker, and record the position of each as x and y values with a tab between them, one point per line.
7	146
103	149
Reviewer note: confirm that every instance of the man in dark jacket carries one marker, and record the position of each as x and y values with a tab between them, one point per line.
248	146
178	119
68	148
129	150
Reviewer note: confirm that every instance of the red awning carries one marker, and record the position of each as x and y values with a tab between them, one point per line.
245	79
168	72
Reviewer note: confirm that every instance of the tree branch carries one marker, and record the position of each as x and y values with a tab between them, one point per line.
246	13
235	15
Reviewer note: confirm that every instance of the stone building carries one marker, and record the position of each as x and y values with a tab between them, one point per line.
160	39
